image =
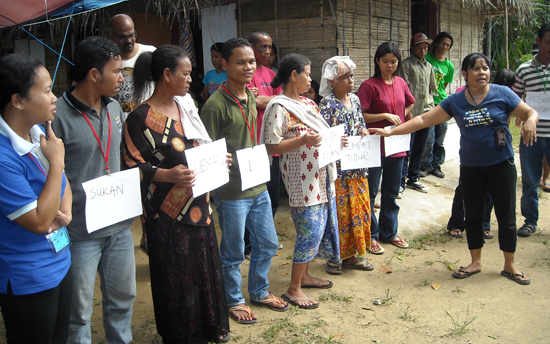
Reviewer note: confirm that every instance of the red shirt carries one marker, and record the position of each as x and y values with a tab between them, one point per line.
378	97
262	79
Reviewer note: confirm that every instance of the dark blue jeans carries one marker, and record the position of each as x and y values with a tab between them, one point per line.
531	171
414	156
385	229
500	181
434	152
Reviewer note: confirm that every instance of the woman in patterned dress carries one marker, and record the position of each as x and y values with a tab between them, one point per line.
340	106
186	279
292	127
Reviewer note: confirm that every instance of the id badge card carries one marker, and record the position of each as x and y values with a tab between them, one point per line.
59	240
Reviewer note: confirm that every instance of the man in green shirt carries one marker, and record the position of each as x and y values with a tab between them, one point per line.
231	113
434	152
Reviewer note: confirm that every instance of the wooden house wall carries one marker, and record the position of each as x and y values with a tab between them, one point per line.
367	25
466	26
305	27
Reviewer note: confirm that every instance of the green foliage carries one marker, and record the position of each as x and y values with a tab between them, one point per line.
520	37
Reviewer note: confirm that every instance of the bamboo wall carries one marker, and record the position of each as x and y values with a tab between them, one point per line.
305	27
466	26
368	23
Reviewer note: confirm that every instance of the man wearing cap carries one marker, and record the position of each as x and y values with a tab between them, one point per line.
434	152
420	77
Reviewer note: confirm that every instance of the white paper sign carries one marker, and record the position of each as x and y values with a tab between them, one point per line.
331	145
209	162
111	199
396	143
539	101
361	152
254	166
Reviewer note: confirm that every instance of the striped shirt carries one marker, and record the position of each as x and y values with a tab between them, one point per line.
532	76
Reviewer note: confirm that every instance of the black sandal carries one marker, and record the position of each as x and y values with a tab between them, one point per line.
488	235
459	231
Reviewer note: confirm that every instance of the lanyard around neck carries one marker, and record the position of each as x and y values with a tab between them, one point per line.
244	116
544	82
105	156
394	101
37	164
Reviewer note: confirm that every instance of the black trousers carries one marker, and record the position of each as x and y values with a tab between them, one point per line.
41	318
500	181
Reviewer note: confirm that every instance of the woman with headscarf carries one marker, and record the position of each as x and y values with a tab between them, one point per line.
340	106
292	127
186	277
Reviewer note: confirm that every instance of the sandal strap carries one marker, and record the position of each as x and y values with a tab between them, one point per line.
271	299
240	308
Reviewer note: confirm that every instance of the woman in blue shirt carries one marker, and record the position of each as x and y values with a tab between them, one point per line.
481	112
35	204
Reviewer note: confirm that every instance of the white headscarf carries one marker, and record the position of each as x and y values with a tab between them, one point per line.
333	68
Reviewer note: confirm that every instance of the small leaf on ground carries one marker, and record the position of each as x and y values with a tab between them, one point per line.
385	269
436	286
285	263
338	336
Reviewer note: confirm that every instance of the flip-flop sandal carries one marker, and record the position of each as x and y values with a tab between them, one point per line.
459	231
488	235
466	274
381	250
292	301
267	303
362	264
317	285
244	309
399	243
513	278
225	338
331	266
546	187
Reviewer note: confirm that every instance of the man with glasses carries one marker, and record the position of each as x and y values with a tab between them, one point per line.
124	35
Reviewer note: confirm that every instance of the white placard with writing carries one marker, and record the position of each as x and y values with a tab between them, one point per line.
361	152
396	143
254	166
209	163
111	199
540	101
331	145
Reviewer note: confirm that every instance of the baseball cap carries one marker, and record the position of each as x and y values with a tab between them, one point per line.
421	38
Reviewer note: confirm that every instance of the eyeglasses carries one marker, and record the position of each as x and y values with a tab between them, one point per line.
130	36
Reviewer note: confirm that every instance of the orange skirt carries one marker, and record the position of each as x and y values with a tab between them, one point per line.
353	207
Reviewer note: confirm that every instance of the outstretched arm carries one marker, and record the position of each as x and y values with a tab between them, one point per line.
432	117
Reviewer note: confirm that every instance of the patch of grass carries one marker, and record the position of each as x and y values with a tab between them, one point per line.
293	333
290	257
423	241
424	283
334	296
406	315
428	262
388	298
458	290
459	327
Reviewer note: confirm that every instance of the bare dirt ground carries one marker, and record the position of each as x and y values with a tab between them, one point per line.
485	308
421	302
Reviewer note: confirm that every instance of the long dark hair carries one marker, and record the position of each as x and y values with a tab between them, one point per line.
17	74
383	49
289	63
150	67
